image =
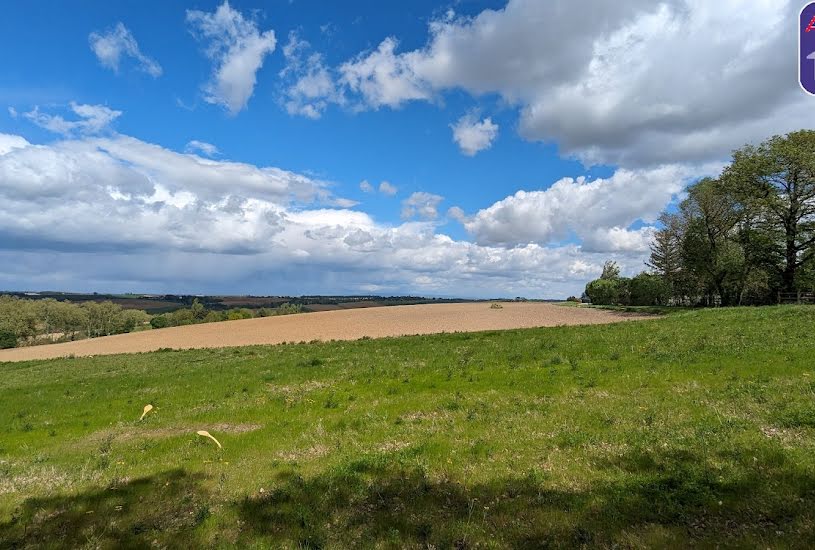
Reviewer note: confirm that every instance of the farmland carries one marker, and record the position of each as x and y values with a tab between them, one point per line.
331	325
692	429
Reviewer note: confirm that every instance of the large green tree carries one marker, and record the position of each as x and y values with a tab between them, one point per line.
776	179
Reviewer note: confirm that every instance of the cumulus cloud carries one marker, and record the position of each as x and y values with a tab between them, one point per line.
237	49
384	78
112	45
473	135
607	82
121	214
310	86
599	212
421	204
202	147
93	119
387	188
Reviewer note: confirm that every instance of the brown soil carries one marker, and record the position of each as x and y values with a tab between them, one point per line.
349	324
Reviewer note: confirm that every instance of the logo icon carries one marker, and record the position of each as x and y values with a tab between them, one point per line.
806	48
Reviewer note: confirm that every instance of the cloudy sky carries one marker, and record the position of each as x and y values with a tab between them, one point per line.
472	148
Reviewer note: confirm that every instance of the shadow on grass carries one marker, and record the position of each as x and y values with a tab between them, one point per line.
656	499
664	500
159	510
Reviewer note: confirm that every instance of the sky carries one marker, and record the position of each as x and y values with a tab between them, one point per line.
472	148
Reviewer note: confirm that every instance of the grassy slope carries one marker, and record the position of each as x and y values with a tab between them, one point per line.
697	427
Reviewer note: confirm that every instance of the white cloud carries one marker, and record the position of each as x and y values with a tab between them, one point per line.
383	78
12	112
387	188
421	204
93	119
202	147
366	187
310	85
599	212
606	81
473	135
121	214
237	49
110	46
10	142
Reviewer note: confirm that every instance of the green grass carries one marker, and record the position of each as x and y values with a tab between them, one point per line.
694	429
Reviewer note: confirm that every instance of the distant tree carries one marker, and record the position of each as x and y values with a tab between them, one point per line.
604	292
131	319
7	339
214	317
288	309
648	289
18	317
198	310
666	253
239	313
159	321
610	271
265	312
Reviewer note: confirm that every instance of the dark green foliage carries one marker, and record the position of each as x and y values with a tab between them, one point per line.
607	292
7	339
649	290
159	321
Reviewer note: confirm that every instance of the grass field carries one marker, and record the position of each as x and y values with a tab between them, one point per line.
695	429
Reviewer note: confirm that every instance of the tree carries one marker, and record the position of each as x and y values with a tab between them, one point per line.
198	310
647	289
159	321
604	292
610	270
708	249
7	339
778	178
18	317
131	319
666	254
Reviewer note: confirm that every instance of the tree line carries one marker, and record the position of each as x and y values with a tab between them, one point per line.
198	313
742	238
26	322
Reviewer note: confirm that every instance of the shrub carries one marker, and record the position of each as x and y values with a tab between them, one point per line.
289	309
159	321
649	290
573	299
7	339
603	291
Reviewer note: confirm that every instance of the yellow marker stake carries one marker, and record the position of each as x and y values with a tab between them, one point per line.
147	409
204	433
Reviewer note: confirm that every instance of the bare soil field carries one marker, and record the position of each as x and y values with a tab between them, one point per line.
350	324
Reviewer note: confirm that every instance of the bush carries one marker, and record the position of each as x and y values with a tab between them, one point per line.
7	339
573	299
649	290
604	292
159	321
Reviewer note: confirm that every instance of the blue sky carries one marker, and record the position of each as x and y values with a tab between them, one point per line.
524	142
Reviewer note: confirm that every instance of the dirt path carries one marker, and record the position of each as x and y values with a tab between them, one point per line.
330	325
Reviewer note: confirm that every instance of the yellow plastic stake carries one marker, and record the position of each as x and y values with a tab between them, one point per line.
147	409
204	433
